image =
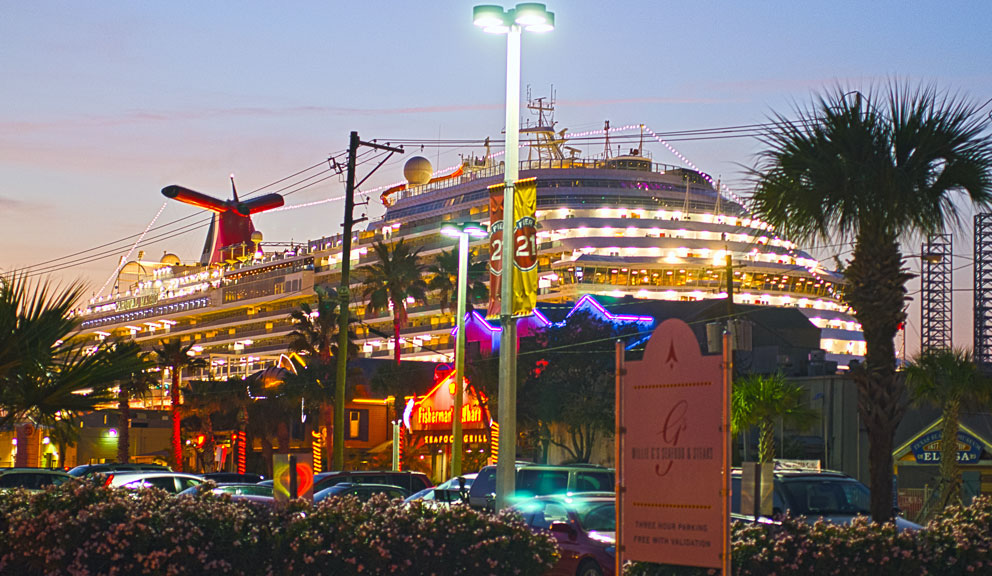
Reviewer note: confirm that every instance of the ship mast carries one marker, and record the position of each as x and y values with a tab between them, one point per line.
545	142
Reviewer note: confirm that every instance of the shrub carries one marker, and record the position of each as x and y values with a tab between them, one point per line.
957	542
84	529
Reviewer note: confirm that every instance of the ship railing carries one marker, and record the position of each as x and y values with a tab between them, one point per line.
540	164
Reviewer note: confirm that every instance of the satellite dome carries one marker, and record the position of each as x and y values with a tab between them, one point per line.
171	259
417	171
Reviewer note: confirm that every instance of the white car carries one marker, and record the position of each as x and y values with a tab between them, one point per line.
444	494
171	482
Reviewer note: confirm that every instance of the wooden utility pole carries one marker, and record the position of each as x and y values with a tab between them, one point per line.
344	291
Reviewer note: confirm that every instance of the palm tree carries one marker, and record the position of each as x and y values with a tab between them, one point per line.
851	168
397	275
948	379
203	400
45	374
444	279
316	337
761	401
64	432
173	355
316	330
135	385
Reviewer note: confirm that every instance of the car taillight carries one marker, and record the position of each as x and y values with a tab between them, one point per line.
110	478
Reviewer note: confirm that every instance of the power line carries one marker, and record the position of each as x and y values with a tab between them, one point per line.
114	246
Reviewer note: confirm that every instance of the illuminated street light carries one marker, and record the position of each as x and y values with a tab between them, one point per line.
463	232
532	17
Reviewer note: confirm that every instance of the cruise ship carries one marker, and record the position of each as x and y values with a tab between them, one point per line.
619	224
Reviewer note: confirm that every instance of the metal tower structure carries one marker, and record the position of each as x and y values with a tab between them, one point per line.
936	288
983	290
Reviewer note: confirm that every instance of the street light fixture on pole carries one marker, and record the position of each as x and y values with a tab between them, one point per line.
532	17
463	232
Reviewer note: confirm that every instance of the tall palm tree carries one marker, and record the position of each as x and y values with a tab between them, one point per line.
173	355
45	374
134	385
762	401
948	379
444	278
316	328
316	337
268	418
874	170
397	275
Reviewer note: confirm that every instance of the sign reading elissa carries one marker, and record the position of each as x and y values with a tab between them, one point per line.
673	452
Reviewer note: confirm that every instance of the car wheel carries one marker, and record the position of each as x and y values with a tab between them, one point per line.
589	568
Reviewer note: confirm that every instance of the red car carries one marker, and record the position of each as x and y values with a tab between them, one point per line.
584	525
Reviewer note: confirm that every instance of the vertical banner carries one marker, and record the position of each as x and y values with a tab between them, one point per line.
525	247
495	248
673	509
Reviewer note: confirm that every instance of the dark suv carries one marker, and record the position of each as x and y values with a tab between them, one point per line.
543	480
410	481
833	496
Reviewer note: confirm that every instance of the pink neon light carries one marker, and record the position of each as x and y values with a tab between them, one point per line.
542	317
606	313
478	318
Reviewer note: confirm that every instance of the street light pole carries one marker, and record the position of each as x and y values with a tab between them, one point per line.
462	232
456	427
533	17
506	472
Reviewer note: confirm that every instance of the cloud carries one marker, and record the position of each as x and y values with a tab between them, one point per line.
9	204
135	117
645	100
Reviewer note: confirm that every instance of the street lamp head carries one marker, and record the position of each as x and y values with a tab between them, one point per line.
530	16
476	230
534	17
456	230
491	18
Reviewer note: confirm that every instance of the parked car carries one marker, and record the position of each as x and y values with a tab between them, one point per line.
362	491
833	496
409	481
238	489
32	478
87	470
585	527
446	493
543	480
172	482
233	478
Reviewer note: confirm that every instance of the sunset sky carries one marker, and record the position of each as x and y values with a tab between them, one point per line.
105	103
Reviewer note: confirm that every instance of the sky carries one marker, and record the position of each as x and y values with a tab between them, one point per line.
102	104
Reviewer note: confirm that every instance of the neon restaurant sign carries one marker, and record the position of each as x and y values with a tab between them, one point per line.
434	412
427	415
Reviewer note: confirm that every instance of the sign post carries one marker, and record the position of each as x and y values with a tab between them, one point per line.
292	477
674	491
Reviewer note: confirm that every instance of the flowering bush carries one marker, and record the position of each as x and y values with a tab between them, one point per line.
958	542
84	529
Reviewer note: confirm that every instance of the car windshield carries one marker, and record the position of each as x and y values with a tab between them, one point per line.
80	470
597	516
425	494
821	497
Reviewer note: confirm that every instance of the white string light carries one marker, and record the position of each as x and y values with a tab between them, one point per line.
120	265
